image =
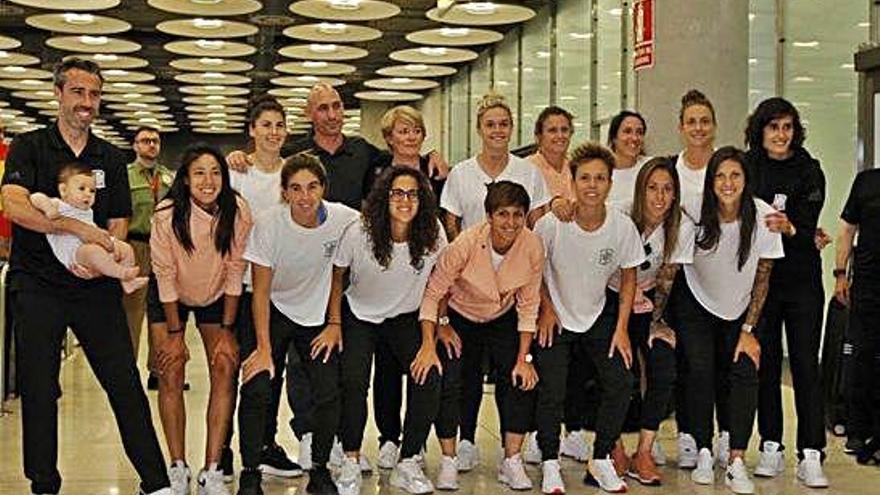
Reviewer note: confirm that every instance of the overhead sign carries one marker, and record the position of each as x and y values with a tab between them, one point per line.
643	26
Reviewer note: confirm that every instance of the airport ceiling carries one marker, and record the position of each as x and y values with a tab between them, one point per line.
193	64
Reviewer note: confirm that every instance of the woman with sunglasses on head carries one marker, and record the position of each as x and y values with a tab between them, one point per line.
483	297
793	182
715	305
626	138
668	239
388	256
291	253
575	313
199	234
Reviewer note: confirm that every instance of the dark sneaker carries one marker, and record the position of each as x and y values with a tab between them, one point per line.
320	482
249	482
274	462
226	464
853	445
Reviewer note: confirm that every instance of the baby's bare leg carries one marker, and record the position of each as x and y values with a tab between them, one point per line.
96	258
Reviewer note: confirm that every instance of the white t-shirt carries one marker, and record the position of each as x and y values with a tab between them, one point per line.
262	192
654	244
301	259
377	293
692	182
714	279
623	186
580	263
465	188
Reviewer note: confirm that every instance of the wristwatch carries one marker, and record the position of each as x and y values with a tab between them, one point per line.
747	328
528	358
443	321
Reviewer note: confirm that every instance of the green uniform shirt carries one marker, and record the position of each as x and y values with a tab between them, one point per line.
143	198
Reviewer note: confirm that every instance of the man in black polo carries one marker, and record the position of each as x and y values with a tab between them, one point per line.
48	297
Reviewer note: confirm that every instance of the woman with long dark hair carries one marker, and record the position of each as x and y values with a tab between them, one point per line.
388	256
668	238
626	138
198	237
793	182
291	253
715	305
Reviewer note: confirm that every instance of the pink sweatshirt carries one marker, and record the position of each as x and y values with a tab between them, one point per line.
558	183
477	291
200	278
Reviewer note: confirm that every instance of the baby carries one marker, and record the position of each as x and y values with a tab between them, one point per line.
76	186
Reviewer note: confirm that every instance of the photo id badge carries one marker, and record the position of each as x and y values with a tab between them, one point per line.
779	201
100	182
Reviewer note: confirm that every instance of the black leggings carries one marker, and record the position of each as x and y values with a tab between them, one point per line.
463	378
402	335
707	343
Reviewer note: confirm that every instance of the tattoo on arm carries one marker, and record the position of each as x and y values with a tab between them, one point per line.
759	291
662	288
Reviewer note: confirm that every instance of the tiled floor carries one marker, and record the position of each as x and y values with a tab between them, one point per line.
92	461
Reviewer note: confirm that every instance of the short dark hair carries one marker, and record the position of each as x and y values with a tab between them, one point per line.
71	169
303	161
59	72
143	128
695	97
767	111
617	121
591	151
504	193
550	112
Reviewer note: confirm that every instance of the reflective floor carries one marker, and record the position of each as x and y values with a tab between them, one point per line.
92	461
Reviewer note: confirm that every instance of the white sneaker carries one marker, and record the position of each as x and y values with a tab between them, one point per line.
722	449
687	451
532	453
512	473
447	478
180	477
212	483
408	475
337	455
575	445
468	456
737	478
809	470
349	480
388	454
364	464
658	454
551	478
771	463
601	473
161	491
305	452
704	474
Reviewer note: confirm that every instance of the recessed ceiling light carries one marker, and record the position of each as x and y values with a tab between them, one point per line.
389	93
200	23
44	93
211	61
94	40
74	18
217	115
323	47
848	66
806	44
332	28
214	88
502	83
314	64
135	104
434	51
31	82
803	79
863	24
568	98
580	36
400	80
345	4
132	95
148	119
616	12
311	79
416	67
213	75
480	8
114	72
4	54
215	97
123	85
843	94
215	107
14	69
753	61
752	16
106	57
210	44
206	2
542	54
449	32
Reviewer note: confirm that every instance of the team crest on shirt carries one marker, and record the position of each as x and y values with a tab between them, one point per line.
606	256
329	247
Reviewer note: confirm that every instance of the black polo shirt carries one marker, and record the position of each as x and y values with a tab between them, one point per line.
346	169
863	209
33	162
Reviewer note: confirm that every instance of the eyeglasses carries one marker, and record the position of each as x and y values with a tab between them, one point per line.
401	194
149	141
646	265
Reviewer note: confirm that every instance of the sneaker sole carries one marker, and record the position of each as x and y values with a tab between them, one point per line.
557	491
814	485
646	482
742	492
591	481
767	474
706	481
506	482
446	488
280	473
